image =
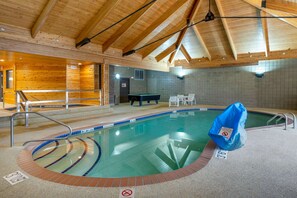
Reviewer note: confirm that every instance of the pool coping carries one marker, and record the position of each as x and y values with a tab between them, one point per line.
26	162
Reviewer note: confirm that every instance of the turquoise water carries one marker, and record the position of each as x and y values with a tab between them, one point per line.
155	145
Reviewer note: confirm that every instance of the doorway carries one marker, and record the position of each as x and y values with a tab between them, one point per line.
1	86
124	89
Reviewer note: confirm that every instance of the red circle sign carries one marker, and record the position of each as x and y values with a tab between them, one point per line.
127	192
225	133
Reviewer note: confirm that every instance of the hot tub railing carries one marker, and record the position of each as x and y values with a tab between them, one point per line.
280	116
38	140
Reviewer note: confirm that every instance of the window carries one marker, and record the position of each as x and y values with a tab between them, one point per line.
9	79
138	74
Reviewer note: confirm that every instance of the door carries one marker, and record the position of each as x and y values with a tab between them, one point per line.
124	89
1	86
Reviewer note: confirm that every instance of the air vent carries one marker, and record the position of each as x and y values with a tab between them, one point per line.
138	74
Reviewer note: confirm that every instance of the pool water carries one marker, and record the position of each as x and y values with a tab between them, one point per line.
151	146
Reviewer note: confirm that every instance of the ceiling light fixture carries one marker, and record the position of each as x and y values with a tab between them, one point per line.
88	40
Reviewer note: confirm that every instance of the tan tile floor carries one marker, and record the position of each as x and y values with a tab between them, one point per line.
265	167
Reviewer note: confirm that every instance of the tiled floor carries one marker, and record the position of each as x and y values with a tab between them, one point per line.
265	167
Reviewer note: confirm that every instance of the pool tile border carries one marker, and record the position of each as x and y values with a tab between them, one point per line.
26	162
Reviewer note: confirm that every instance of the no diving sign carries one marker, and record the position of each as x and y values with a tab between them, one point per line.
127	193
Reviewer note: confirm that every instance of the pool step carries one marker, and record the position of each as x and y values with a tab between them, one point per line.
73	114
76	158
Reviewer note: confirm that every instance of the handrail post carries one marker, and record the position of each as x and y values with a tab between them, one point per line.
294	121
66	100
18	99
27	115
286	121
11	131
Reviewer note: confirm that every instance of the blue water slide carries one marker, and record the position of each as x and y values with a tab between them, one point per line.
228	130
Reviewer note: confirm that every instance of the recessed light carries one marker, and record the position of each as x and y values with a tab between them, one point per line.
2	60
79	63
284	53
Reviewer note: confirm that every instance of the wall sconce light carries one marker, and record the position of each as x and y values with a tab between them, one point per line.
117	76
259	72
181	74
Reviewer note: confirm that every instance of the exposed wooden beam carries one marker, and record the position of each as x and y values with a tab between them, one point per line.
178	44
243	59
190	18
185	53
165	53
199	37
276	13
43	17
97	19
125	27
281	5
226	27
155	24
265	33
148	50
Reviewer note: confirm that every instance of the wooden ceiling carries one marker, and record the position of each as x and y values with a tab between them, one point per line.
53	27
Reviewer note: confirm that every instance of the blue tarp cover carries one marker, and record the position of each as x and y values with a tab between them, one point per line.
228	130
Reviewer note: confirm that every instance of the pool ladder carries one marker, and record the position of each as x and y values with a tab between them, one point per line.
280	116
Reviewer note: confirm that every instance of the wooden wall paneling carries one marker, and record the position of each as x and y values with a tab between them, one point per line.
105	84
8	94
87	82
41	76
73	81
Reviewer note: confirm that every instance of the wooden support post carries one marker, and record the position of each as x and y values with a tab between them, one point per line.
105	84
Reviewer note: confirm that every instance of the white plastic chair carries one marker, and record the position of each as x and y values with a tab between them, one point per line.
181	98
173	101
190	99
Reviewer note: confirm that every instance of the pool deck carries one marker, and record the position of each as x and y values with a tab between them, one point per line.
265	167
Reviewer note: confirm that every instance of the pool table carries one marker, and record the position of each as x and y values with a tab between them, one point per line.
143	97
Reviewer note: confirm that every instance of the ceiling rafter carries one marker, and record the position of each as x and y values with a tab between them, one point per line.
185	53
155	24
153	47
43	17
97	19
178	44
265	33
226	27
280	5
275	13
181	36
165	53
125	27
199	37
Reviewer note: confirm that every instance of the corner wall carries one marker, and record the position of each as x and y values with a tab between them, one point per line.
223	86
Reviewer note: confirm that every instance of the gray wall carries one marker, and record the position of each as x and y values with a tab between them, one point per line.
136	86
223	86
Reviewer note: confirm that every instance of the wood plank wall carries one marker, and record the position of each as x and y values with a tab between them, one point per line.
45	75
105	83
8	94
73	81
89	79
41	76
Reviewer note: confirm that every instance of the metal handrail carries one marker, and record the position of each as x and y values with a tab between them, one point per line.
280	115
20	94
40	140
294	119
